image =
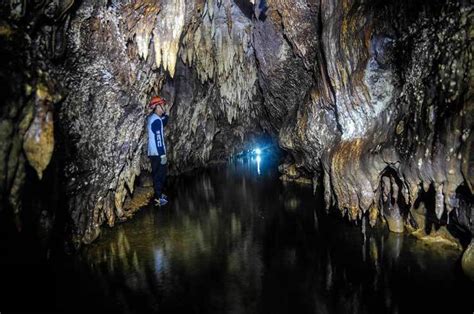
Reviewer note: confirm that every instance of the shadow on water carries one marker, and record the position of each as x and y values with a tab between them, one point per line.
234	239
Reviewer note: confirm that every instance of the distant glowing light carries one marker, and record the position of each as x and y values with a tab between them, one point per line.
258	159
258	151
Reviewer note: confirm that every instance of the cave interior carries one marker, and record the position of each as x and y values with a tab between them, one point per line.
366	102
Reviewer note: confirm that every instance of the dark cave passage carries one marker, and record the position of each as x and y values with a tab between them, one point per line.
268	111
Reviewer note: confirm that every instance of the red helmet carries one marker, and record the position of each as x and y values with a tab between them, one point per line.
155	101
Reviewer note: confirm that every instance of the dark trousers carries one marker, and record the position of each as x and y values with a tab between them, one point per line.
158	173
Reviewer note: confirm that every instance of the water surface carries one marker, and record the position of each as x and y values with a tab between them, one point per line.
234	239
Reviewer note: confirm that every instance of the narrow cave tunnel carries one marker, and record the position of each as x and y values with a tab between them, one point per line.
319	156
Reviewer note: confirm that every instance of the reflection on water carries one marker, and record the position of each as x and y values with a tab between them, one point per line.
235	240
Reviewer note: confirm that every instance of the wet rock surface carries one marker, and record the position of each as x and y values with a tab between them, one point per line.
468	261
372	99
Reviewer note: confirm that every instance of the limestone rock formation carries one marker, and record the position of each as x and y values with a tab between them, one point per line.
38	143
32	38
373	99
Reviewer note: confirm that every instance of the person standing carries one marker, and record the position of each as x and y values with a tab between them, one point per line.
156	123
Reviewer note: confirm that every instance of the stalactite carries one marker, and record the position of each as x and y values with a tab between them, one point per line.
167	34
144	15
224	55
39	138
374	97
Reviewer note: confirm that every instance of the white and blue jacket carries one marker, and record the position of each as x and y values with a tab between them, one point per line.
156	135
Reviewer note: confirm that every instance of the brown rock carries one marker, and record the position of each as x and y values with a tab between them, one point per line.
468	261
38	142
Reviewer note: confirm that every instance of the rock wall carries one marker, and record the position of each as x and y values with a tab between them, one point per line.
121	53
32	41
373	99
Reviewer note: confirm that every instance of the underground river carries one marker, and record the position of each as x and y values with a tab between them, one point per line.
235	239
